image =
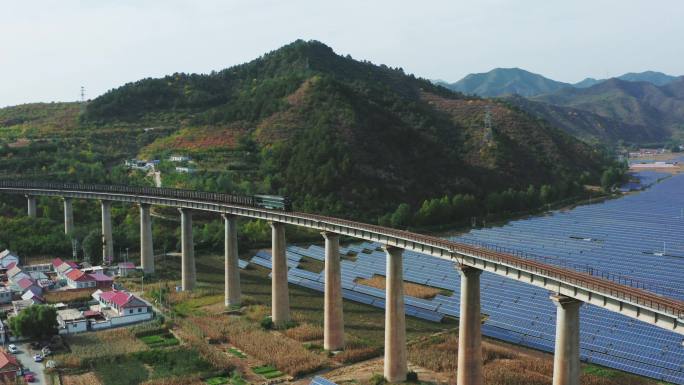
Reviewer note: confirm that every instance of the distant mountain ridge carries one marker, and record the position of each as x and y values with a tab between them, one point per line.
506	81
613	110
516	81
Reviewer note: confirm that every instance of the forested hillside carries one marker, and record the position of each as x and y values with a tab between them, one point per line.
339	136
344	136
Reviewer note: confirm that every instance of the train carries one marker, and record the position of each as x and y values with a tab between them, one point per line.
271	202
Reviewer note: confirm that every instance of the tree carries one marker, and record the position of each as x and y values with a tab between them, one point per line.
92	245
402	216
35	322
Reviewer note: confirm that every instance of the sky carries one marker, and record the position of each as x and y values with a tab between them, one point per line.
50	48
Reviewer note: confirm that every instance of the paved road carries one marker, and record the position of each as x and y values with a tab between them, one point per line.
25	356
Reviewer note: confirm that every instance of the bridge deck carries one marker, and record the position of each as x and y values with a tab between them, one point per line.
615	296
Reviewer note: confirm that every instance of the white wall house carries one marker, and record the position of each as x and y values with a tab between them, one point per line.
179	158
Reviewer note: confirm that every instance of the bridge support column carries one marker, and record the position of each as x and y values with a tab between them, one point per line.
333	321
566	360
280	297
188	277
68	217
32	211
395	317
469	331
146	245
107	239
232	269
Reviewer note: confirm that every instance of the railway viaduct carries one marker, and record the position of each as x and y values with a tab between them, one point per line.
569	289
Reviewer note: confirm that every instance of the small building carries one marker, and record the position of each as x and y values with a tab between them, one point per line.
102	280
185	170
18	306
5	295
65	268
9	366
13	271
71	321
125	268
123	302
38	268
7	258
29	284
77	279
34	296
57	262
179	158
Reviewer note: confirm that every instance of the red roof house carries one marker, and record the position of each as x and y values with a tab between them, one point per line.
102	280
78	279
8	366
25	283
56	262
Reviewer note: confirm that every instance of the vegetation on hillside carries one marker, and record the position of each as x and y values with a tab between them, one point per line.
339	136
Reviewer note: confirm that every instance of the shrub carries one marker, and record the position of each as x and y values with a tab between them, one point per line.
377	379
267	323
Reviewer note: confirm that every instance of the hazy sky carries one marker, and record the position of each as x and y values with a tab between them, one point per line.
49	48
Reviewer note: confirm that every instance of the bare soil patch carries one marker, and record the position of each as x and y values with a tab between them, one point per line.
410	288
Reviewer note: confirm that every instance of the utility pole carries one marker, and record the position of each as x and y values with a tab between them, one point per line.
82	94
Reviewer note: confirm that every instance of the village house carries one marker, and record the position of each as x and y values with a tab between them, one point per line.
9	366
62	268
8	258
121	307
76	279
33	295
125	268
179	158
102	280
5	295
71	321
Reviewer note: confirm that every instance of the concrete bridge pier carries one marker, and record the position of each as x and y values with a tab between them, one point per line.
146	246
280	297
396	366
232	269
68	217
107	239
469	329
188	275
333	320
566	360
32	211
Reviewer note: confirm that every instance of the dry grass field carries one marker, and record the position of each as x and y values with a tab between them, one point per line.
81	379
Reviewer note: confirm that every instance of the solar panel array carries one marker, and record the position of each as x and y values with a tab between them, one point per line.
318	380
639	236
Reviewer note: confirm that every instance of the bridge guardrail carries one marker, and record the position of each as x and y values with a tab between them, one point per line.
580	279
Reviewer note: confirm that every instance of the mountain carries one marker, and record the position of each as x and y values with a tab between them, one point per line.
632	111
591	127
342	136
587	82
516	81
655	78
506	81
